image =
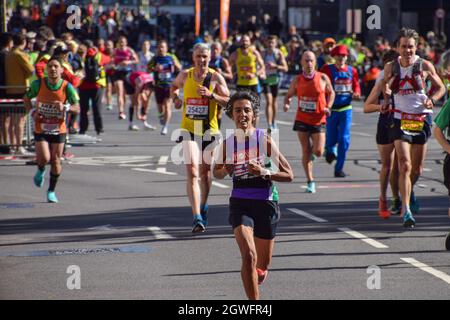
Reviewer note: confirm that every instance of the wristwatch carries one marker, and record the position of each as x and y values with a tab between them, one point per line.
212	96
265	174
433	101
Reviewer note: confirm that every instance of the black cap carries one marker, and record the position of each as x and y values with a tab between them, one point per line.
59	51
88	43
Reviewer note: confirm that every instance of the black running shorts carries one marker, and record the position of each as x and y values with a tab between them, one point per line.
415	138
304	127
50	138
384	135
261	215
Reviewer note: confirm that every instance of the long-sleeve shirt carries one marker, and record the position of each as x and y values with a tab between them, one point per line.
355	79
18	71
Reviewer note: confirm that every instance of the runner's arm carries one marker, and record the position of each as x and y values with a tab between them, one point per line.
176	63
440	137
220	168
435	81
285	172
226	70
221	92
385	86
329	91
261	72
371	104
175	89
72	98
355	84
233	63
442	121
31	93
291	92
283	67
135	57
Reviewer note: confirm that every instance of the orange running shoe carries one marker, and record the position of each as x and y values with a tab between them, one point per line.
262	275
383	210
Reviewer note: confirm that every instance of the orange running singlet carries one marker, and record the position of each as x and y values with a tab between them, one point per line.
51	120
311	100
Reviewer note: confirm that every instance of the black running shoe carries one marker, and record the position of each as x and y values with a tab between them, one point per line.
330	157
339	174
396	206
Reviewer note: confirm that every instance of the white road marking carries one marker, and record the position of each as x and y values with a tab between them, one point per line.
427	169
220	185
422	266
100	161
136	165
159	234
106	227
163	160
284	123
307	215
362	237
158	170
362	134
346	186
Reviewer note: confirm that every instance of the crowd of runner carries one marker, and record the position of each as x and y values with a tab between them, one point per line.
62	77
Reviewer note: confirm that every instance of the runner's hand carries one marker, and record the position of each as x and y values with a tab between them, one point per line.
254	168
356	96
229	168
75	108
286	105
177	102
428	104
203	91
327	112
385	107
60	105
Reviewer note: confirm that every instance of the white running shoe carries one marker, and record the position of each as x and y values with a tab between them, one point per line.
148	126
133	127
164	130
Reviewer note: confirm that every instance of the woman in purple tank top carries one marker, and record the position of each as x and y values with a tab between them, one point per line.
253	160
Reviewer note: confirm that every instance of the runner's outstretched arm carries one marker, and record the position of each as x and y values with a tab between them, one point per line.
371	104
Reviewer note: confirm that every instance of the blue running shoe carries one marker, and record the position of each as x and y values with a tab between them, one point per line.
311	187
408	220
39	178
204	213
414	204
198	226
51	197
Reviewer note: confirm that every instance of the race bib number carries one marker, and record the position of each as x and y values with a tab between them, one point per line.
164	76
343	88
197	108
50	112
245	68
271	70
307	106
412	122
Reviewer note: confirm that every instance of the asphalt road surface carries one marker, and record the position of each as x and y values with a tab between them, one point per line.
123	225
